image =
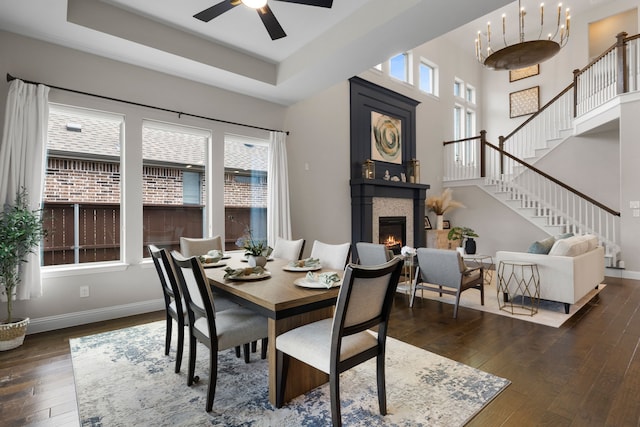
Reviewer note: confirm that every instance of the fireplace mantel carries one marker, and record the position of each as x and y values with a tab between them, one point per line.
363	191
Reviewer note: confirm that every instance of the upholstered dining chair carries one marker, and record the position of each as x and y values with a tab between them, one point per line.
332	257
288	249
444	271
216	330
191	246
372	253
173	302
337	344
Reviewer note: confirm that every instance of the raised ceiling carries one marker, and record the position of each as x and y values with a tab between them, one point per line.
234	51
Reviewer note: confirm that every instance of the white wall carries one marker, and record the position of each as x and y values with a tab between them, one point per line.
133	286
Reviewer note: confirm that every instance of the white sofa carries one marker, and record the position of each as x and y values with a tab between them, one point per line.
568	277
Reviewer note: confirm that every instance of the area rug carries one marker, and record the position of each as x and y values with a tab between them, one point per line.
549	313
123	378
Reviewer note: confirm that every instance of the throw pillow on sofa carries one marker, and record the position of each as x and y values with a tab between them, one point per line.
572	246
542	247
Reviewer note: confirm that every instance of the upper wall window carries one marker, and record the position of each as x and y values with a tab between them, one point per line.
82	189
428	77
399	67
457	88
470	94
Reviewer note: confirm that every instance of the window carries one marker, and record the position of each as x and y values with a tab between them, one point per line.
428	78
457	122
470	96
245	188
457	88
174	190
399	67
82	190
470	124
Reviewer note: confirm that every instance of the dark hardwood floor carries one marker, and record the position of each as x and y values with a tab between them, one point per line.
585	373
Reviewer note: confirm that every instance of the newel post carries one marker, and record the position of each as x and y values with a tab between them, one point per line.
621	63
501	146
483	148
576	72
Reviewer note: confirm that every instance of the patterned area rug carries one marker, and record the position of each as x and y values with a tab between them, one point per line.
549	313
123	378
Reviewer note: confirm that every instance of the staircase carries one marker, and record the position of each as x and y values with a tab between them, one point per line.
507	171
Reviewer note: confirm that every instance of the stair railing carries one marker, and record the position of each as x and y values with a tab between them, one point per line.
560	203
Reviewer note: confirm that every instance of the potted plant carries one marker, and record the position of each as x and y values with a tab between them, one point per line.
256	250
442	204
464	235
21	230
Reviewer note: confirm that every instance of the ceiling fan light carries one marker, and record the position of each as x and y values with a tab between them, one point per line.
254	4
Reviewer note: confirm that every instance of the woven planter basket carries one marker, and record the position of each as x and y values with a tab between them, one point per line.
12	334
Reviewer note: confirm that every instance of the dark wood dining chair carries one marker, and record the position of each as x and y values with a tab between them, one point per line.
216	330
337	344
173	302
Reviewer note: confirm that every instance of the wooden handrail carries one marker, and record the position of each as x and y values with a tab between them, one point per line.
537	113
471	138
554	180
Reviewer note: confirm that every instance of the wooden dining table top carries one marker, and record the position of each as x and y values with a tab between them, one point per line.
276	296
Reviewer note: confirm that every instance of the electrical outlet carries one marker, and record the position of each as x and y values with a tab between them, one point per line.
84	291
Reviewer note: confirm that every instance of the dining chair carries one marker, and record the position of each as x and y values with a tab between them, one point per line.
288	249
444	271
191	246
217	330
174	304
337	344
372	253
332	257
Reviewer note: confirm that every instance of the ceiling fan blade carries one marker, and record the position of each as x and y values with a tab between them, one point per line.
271	23
216	10
319	3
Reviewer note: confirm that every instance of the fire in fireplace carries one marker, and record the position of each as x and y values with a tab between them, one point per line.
392	232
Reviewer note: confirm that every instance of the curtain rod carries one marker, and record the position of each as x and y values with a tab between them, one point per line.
179	113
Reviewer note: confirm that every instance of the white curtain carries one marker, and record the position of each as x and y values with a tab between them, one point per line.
278	215
22	162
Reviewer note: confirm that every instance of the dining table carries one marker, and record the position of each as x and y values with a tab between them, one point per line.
286	306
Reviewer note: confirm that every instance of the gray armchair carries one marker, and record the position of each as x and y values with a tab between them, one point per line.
444	271
372	253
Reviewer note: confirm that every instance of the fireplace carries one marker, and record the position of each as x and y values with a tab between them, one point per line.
393	232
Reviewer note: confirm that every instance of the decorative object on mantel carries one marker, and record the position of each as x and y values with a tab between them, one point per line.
368	169
442	204
465	235
386	176
413	170
523	53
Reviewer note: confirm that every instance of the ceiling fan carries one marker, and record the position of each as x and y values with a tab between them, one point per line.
268	18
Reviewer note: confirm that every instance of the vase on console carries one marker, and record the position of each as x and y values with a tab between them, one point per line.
440	222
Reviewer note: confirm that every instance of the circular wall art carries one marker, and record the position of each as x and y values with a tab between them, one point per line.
386	138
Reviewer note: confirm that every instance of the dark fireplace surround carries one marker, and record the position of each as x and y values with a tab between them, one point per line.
365	98
392	232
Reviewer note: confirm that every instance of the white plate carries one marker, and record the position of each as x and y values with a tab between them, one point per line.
250	277
309	268
305	283
213	264
226	256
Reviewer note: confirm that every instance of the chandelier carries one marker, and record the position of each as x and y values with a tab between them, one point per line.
523	53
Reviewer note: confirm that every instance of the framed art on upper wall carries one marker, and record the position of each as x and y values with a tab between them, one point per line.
524	102
523	73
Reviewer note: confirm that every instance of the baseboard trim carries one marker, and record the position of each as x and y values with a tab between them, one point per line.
622	273
50	323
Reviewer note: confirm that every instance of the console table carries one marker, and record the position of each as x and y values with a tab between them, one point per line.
439	239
